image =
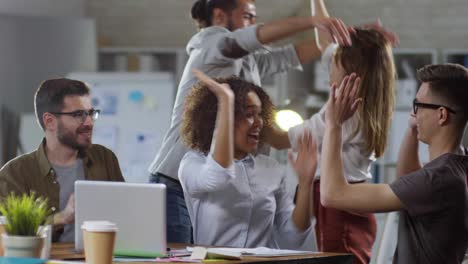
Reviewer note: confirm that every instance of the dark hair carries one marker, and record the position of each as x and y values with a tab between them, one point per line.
201	108
449	82
50	94
202	10
371	58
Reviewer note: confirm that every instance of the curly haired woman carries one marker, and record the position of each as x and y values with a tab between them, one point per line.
236	198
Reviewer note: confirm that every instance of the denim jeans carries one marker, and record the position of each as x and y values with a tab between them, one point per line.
179	228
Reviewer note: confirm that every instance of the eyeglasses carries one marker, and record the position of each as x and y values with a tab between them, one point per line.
81	115
417	104
249	16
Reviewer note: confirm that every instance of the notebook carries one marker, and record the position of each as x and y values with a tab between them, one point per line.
138	210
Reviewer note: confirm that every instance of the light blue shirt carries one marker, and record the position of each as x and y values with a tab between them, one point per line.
245	206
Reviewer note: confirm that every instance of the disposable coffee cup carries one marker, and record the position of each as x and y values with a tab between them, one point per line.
99	239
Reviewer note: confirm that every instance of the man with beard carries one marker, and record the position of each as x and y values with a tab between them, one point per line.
64	111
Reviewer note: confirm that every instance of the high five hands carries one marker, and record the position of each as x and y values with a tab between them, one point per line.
389	35
219	89
337	30
343	101
305	163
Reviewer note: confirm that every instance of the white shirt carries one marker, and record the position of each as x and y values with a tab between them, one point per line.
356	161
241	206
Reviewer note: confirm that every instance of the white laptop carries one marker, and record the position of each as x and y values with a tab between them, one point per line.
138	210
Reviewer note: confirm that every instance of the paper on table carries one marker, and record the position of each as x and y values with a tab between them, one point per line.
171	259
269	252
63	262
199	253
260	251
178	252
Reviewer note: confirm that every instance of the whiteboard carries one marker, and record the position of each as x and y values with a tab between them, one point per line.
135	114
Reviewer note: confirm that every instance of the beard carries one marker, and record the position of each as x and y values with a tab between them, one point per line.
230	24
70	138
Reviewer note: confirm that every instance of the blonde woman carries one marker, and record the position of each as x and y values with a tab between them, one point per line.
369	62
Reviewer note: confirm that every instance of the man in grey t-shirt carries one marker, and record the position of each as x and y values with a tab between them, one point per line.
433	199
66	177
432	226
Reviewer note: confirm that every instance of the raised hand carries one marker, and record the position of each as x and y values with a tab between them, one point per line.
219	89
342	103
377	25
223	135
305	163
336	28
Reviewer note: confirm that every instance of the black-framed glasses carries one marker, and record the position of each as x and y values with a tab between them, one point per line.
417	104
81	115
249	16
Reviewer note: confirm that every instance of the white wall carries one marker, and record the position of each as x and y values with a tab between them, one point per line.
161	23
69	8
35	48
419	23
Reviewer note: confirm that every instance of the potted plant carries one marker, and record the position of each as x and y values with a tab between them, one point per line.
24	215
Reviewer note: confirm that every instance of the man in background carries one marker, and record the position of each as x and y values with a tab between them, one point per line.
65	113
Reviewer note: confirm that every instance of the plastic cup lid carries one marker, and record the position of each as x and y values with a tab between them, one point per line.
99	226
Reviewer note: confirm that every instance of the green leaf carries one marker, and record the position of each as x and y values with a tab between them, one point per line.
24	214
